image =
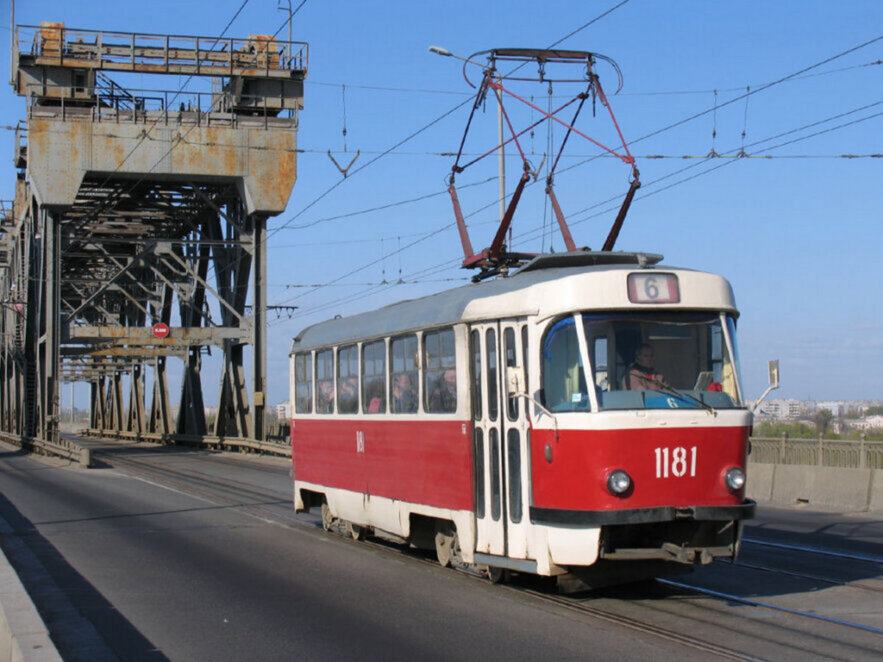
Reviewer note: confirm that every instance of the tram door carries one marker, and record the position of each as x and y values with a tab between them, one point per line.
499	438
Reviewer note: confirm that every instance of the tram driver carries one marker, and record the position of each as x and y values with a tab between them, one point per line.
641	375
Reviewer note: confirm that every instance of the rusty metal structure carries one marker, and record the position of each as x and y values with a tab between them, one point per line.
137	237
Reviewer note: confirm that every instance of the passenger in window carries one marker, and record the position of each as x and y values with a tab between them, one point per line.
641	375
444	395
374	397
403	398
349	395
325	398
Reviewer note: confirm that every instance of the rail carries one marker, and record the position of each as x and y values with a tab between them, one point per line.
258	55
820	452
273	446
64	448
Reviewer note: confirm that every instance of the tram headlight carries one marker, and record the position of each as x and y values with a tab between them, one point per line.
618	482
735	479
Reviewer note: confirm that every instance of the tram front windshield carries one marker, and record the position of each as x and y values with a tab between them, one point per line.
641	361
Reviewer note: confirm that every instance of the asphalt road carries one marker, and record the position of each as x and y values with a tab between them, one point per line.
122	567
165	553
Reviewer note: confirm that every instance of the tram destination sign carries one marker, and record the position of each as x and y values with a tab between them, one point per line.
653	287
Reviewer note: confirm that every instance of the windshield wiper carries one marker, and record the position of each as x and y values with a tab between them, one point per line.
671	390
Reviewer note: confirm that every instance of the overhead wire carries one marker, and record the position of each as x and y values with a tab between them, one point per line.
714	109
414	134
533	233
656	132
427	126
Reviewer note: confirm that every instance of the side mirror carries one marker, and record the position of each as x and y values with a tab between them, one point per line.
774	373
515	382
774	383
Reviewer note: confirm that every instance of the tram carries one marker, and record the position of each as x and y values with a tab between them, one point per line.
518	424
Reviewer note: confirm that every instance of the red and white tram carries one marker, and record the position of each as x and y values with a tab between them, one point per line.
510	424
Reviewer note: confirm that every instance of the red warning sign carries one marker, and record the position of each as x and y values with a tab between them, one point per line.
161	330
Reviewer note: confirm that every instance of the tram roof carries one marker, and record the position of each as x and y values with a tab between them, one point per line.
584	280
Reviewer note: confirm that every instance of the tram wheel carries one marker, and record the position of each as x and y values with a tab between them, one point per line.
447	546
327	518
357	532
496	575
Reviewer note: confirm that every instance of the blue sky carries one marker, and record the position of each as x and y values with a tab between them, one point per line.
798	235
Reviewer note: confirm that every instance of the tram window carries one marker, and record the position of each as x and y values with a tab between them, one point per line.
439	372
509	342
564	382
374	377
686	354
475	351
479	473
403	374
496	505
490	343
325	382
348	380
599	362
303	383
524	355
513	448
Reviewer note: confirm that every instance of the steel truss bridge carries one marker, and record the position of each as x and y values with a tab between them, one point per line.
138	231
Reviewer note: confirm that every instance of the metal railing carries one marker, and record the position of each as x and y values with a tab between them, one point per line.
153	53
113	104
819	452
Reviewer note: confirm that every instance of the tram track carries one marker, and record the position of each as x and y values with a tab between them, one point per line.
644	627
261	501
767	605
571	604
578	604
814	550
854	558
255	501
813	577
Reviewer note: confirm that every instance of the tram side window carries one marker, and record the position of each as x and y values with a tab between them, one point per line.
348	380
374	377
440	372
524	355
493	403
403	374
564	382
511	360
303	383
475	350
324	382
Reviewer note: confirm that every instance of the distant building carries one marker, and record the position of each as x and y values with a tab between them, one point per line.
869	423
781	409
282	411
836	407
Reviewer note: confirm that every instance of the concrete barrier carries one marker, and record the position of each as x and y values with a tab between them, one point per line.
760	481
23	635
828	487
876	498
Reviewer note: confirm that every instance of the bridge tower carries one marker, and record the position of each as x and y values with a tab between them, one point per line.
137	238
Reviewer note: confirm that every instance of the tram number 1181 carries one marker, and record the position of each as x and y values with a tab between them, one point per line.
676	462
